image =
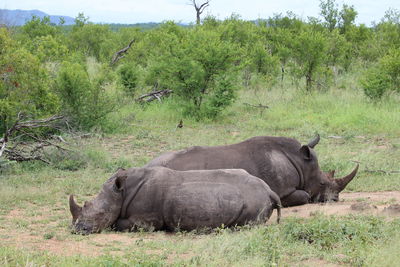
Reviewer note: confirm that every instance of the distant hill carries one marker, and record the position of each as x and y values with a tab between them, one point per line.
20	17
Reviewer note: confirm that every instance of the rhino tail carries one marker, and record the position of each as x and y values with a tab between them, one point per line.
278	205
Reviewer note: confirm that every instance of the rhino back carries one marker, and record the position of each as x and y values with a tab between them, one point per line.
196	199
264	157
195	205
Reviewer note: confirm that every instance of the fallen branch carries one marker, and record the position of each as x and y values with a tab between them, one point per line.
22	150
19	157
381	171
120	54
154	95
259	106
256	106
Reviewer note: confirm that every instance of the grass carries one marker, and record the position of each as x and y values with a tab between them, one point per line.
33	197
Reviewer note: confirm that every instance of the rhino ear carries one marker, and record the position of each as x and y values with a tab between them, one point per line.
119	181
314	141
305	152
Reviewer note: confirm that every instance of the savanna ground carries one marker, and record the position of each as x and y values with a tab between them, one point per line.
362	229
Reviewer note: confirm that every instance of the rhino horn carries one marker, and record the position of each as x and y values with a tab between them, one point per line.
342	182
74	208
314	141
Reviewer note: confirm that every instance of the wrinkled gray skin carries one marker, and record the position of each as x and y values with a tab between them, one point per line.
290	169
164	199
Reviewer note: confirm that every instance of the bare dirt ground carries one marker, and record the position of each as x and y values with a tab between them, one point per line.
374	203
46	229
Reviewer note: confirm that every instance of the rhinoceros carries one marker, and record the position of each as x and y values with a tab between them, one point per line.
289	168
164	199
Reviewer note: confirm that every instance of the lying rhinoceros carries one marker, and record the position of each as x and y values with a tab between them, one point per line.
290	169
165	199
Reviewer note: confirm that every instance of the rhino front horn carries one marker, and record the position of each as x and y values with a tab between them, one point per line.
74	208
314	142
342	182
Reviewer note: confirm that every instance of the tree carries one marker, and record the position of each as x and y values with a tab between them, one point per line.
91	40
37	27
24	84
347	16
200	69
383	77
199	9
309	52
329	11
85	98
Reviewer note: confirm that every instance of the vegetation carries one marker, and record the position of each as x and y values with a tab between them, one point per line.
204	64
327	76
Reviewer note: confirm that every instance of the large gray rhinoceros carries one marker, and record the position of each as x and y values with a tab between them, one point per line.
290	169
165	199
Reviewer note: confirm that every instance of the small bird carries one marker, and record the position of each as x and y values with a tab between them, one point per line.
180	125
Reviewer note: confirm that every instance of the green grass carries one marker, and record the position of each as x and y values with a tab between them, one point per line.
344	240
352	130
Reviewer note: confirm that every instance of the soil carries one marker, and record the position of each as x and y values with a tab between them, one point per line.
38	233
375	203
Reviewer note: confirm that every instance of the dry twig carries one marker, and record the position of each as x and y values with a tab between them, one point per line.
24	151
120	54
154	95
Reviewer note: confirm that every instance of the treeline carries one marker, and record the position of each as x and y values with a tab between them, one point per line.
45	69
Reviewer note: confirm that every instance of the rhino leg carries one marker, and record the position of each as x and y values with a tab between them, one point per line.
122	225
298	197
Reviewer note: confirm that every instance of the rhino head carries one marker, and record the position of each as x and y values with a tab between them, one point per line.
321	186
331	187
100	212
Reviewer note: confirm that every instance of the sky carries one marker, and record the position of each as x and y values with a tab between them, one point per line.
136	11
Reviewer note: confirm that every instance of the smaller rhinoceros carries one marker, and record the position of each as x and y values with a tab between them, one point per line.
163	199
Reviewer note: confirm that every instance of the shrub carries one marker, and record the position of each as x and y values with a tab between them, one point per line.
383	77
85	100
198	69
129	75
24	84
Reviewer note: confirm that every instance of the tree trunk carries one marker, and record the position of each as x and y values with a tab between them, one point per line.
197	17
308	81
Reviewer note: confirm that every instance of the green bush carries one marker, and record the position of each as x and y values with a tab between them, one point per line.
129	75
198	69
85	99
25	85
384	77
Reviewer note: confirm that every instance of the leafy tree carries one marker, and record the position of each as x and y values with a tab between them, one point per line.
329	11
392	15
90	39
24	84
262	62
48	48
199	70
384	77
129	76
37	27
309	52
339	50
347	17
80	21
85	99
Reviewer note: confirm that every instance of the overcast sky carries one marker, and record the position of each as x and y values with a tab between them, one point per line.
134	11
